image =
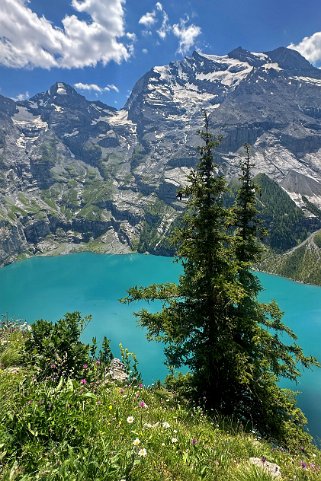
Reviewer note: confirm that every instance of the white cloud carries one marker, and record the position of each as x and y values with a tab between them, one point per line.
145	50
186	35
158	15
309	47
148	19
96	88
28	40
22	96
131	36
165	27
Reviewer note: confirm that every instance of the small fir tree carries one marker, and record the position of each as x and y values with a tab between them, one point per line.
211	321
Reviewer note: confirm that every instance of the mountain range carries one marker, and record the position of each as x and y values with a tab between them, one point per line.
78	174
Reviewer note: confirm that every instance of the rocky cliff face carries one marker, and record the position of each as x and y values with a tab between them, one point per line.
74	171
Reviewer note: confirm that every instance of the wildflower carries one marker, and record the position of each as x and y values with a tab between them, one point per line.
166	425
142	404
142	452
174	440
194	441
110	407
148	425
140	385
83	381
303	465
130	419
53	366
85	366
136	442
97	363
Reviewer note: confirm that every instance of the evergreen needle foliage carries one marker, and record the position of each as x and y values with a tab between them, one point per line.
235	347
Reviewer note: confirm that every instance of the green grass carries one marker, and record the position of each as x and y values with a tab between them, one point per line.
104	431
100	432
301	264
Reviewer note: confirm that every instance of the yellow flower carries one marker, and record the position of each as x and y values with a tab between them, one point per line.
110	407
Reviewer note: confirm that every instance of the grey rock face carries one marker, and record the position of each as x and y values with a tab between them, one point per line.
117	371
74	171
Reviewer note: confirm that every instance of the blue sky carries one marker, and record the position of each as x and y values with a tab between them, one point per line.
102	47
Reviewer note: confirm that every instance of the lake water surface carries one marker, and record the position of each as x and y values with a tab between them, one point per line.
48	287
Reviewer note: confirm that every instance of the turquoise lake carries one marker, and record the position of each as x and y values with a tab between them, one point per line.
48	287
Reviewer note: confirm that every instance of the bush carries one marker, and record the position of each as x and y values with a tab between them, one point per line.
55	349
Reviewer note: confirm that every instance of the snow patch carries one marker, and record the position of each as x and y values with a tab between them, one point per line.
33	124
260	55
163	73
57	108
61	90
309	80
272	66
231	77
120	118
72	134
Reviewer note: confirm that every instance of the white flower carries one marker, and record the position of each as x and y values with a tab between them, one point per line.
136	442
142	452
166	425
174	440
148	425
130	419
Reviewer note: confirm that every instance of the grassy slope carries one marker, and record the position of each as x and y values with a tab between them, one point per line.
302	263
100	431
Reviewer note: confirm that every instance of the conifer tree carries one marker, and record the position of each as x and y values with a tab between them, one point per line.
211	321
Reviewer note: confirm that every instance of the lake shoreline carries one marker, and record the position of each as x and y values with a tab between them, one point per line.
106	249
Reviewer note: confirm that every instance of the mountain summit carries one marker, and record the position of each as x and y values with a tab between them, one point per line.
74	171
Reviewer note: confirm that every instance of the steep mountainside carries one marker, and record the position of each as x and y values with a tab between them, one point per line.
302	263
74	172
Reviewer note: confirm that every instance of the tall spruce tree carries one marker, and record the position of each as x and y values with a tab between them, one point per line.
211	321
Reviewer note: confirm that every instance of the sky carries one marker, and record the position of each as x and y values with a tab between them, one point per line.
102	47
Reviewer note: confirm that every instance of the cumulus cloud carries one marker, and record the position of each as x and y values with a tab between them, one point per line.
159	16
96	88
22	96
309	47
148	19
186	35
30	40
159	19
165	26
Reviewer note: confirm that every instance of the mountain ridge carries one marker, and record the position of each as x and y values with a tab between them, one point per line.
80	173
